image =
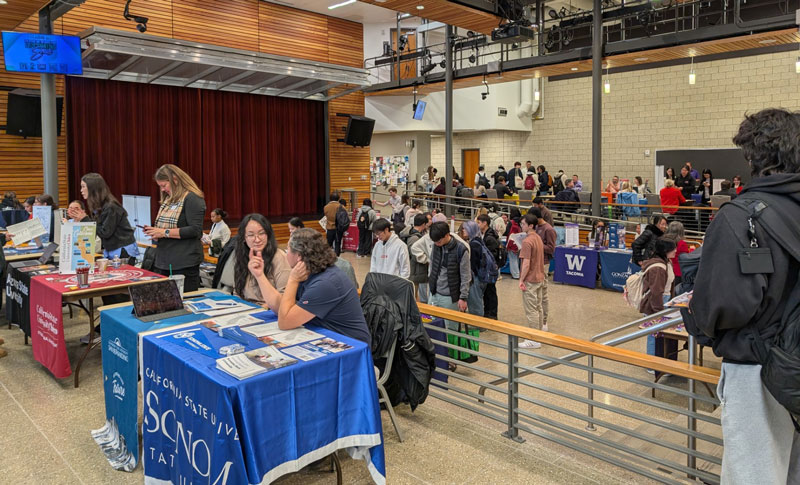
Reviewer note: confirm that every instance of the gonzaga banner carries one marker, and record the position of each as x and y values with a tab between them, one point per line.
575	266
615	267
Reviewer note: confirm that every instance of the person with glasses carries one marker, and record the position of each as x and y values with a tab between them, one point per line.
252	278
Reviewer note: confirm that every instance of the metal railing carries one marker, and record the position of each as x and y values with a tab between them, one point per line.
599	407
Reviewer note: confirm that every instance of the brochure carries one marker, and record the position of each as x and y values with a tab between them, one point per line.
330	345
287	338
261	329
217	323
27	230
77	246
254	362
316	349
680	301
571	235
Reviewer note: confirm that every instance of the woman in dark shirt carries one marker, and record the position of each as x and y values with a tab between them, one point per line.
113	227
685	182
178	226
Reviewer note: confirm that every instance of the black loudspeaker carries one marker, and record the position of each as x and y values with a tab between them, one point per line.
359	131
24	115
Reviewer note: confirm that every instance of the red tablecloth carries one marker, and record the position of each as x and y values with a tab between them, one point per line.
47	325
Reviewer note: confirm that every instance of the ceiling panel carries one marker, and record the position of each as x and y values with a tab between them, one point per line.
15	12
445	12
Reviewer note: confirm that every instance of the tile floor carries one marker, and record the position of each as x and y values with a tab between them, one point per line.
45	423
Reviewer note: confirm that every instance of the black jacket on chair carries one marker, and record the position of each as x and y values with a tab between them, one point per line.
227	250
392	314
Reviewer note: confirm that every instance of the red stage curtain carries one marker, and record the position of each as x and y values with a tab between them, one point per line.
248	153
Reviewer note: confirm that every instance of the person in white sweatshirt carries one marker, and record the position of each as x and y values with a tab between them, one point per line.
390	254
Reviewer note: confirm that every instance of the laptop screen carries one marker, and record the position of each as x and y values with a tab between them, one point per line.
159	296
48	253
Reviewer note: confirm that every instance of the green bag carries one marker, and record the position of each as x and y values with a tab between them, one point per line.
465	343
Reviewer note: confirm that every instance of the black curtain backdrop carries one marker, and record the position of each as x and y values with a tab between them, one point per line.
248	153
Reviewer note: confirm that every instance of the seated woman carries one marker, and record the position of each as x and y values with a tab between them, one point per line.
318	292
295	223
256	241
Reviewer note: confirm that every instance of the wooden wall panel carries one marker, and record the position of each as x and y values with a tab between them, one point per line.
108	13
16	11
242	24
292	32
347	164
229	23
345	42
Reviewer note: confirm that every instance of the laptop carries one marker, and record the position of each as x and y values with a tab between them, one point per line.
157	300
47	255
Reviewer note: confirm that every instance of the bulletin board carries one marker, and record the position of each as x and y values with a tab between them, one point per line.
389	170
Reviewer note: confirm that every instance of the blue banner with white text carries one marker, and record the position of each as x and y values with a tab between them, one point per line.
575	266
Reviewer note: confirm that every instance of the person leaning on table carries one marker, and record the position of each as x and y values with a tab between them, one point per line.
318	292
178	226
258	240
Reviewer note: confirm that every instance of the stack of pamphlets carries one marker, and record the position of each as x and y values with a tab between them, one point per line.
240	319
680	301
317	349
216	307
254	362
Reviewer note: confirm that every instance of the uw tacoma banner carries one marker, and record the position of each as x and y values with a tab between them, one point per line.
575	266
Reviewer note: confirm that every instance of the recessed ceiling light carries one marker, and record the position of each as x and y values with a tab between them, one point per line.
573	68
641	59
767	41
346	2
420	7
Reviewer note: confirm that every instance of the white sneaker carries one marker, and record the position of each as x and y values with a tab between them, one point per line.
529	344
545	328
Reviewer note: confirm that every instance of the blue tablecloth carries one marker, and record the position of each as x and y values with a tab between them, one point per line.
120	330
615	267
203	426
575	266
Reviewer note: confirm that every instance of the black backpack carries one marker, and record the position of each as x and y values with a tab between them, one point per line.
779	357
363	220
342	220
482	180
399	220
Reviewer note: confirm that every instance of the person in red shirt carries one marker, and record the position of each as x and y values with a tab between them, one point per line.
671	197
675	233
737	184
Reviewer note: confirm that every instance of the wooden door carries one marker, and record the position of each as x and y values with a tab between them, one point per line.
470	161
408	69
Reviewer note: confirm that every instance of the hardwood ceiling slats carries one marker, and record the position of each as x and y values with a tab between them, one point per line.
17	11
446	12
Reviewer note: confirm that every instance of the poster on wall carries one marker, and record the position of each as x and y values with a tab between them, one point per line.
389	171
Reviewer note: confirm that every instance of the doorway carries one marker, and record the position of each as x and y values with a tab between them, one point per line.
470	161
408	69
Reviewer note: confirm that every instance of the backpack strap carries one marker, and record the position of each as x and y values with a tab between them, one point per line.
760	208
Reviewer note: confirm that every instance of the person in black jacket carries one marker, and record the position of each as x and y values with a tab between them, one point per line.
512	177
492	242
685	182
544	180
113	227
740	301
645	244
419	271
568	195
178	226
502	189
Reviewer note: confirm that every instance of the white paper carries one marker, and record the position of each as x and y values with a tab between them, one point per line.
262	329
25	231
571	235
230	321
304	352
518	238
45	214
286	338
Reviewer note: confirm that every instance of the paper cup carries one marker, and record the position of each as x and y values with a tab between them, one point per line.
179	280
102	265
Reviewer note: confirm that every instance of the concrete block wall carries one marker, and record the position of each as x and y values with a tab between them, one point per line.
646	110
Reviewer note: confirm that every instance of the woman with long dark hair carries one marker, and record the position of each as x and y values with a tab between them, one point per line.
255	245
102	207
178	226
706	187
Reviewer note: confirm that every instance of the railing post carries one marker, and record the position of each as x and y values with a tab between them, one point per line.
590	411
513	388
691	423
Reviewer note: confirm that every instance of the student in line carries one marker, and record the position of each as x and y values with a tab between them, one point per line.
531	277
390	254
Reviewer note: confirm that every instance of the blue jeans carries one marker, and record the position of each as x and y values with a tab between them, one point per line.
444	301
475	298
513	264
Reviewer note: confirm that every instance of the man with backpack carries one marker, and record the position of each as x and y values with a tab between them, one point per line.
364	220
331	233
492	242
481	179
483	266
342	224
747	301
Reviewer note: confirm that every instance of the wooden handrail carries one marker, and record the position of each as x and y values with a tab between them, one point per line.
689	371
